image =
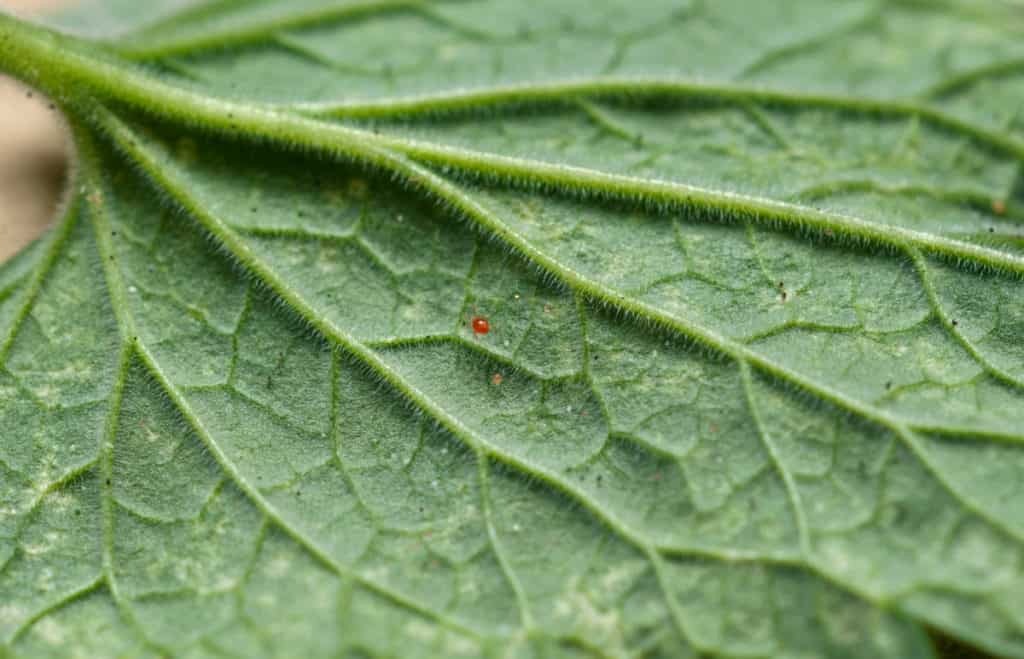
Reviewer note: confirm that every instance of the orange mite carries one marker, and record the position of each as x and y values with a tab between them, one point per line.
480	325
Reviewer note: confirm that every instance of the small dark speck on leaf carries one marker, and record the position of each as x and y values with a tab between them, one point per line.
108	481
955	322
888	385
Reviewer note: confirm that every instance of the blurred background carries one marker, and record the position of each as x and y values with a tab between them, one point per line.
33	152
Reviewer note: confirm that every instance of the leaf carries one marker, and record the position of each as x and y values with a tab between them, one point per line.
754	380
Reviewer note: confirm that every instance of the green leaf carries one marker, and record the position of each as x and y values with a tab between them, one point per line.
754	380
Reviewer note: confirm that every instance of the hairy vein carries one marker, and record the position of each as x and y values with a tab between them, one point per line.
166	180
640	90
151	42
137	348
114	80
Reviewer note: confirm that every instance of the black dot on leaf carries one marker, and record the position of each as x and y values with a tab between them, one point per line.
954	322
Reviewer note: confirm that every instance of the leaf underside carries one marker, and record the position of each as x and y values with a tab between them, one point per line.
754	380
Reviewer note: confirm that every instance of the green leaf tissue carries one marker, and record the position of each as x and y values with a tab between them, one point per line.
520	328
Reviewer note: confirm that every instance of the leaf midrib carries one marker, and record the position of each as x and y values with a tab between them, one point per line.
123	84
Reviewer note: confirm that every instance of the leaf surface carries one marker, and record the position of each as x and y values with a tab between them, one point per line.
754	380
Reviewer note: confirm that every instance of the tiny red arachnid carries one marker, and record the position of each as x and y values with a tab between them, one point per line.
480	325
